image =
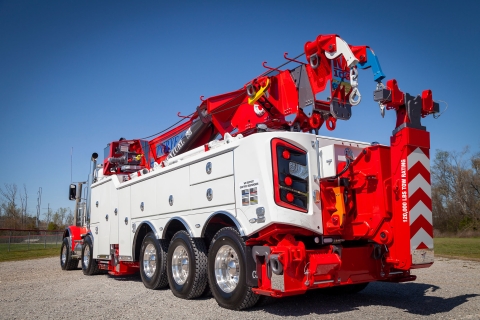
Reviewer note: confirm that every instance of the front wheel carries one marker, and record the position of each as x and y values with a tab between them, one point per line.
89	265
66	260
226	271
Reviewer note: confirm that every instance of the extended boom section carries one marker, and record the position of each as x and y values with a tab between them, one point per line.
244	198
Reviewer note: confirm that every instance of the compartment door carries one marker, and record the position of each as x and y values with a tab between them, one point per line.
124	222
102	212
113	215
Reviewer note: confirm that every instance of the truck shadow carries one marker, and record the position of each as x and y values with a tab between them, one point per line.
131	278
414	298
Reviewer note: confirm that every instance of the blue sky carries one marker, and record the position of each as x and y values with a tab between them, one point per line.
83	73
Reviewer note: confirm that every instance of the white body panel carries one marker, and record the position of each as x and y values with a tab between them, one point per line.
240	164
175	183
221	166
222	191
101	207
332	155
124	229
113	215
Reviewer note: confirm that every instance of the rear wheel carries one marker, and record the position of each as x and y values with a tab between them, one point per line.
89	265
153	255
226	271
66	260
187	266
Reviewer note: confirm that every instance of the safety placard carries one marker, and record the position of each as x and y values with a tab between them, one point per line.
249	190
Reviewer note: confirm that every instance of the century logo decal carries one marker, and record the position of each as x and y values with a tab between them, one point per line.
340	74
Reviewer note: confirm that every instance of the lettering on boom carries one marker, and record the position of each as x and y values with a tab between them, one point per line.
340	74
404	191
166	146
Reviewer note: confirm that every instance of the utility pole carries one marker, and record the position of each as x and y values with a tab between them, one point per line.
39	203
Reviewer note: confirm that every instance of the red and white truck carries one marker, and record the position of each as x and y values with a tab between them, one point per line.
245	199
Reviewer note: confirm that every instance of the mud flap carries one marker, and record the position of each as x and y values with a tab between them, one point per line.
251	272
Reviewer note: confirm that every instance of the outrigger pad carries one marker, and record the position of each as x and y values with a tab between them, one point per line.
342	111
414	111
305	94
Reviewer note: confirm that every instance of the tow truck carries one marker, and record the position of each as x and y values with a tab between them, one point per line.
243	198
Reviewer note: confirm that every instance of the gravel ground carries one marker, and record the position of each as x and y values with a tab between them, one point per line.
39	289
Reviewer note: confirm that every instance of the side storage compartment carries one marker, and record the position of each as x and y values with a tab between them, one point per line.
173	191
124	223
213	193
332	155
143	198
101	211
113	214
212	182
210	169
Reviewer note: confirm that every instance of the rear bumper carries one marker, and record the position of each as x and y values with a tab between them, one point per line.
290	269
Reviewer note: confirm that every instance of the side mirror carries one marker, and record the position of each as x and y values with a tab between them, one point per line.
72	192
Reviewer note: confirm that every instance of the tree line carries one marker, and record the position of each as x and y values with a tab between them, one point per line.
456	191
14	213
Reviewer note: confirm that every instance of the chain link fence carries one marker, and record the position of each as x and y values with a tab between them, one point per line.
21	240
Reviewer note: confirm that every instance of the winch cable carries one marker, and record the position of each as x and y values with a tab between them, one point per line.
266	73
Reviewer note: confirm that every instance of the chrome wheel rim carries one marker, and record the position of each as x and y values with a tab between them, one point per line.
149	260
64	254
86	256
180	266
227	268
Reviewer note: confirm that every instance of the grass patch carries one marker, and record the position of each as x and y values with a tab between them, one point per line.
467	248
24	252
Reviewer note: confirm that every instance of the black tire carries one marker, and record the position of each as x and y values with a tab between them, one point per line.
191	284
208	237
242	296
153	279
207	293
66	260
89	265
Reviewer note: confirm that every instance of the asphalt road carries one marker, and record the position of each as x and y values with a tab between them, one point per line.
39	289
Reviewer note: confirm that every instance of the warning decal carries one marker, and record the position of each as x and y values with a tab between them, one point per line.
249	192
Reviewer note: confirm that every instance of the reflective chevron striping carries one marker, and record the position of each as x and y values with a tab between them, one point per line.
420	200
418	156
420	209
419	182
418	169
421	223
418	196
421	237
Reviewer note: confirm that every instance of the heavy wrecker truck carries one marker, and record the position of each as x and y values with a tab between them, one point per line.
245	199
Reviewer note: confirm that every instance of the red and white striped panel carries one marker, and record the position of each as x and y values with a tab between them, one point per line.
420	199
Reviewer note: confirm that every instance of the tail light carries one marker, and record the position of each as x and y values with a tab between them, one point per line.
290	175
